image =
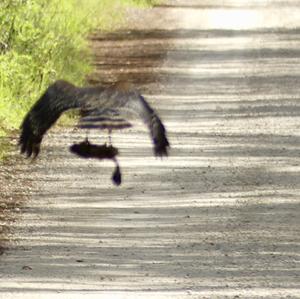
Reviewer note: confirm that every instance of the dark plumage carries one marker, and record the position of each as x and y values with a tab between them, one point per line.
101	107
87	150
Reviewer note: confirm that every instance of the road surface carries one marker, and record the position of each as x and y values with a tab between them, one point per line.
220	217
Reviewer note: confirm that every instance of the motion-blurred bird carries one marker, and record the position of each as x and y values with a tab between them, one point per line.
100	107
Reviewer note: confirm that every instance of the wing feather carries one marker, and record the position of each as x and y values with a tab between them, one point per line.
140	106
59	97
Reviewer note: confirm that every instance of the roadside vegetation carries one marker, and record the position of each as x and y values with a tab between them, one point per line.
43	40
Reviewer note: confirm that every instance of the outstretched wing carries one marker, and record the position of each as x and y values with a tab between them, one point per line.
101	108
113	108
59	97
154	123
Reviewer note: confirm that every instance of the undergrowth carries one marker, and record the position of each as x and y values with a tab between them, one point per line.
44	40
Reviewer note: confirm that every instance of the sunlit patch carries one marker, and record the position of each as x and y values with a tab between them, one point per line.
222	19
234	19
239	19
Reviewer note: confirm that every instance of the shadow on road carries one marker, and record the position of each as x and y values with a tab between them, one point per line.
222	212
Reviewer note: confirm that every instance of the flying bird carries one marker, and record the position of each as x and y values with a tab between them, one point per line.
100	108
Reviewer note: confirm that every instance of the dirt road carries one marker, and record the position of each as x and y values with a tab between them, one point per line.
220	217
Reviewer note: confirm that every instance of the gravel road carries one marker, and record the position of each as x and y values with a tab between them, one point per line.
220	217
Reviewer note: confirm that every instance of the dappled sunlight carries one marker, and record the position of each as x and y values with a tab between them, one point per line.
220	216
163	228
239	19
233	19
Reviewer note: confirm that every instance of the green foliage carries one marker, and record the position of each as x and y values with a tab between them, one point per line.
44	40
5	146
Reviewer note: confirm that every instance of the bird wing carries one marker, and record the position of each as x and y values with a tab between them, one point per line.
114	107
58	98
101	108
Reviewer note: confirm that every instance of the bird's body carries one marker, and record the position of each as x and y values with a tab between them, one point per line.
100	107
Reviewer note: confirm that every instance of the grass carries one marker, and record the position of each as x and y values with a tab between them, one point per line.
5	146
44	40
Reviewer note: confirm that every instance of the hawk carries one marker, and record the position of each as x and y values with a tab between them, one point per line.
100	108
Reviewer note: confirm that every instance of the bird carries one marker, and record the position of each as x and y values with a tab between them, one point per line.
101	107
